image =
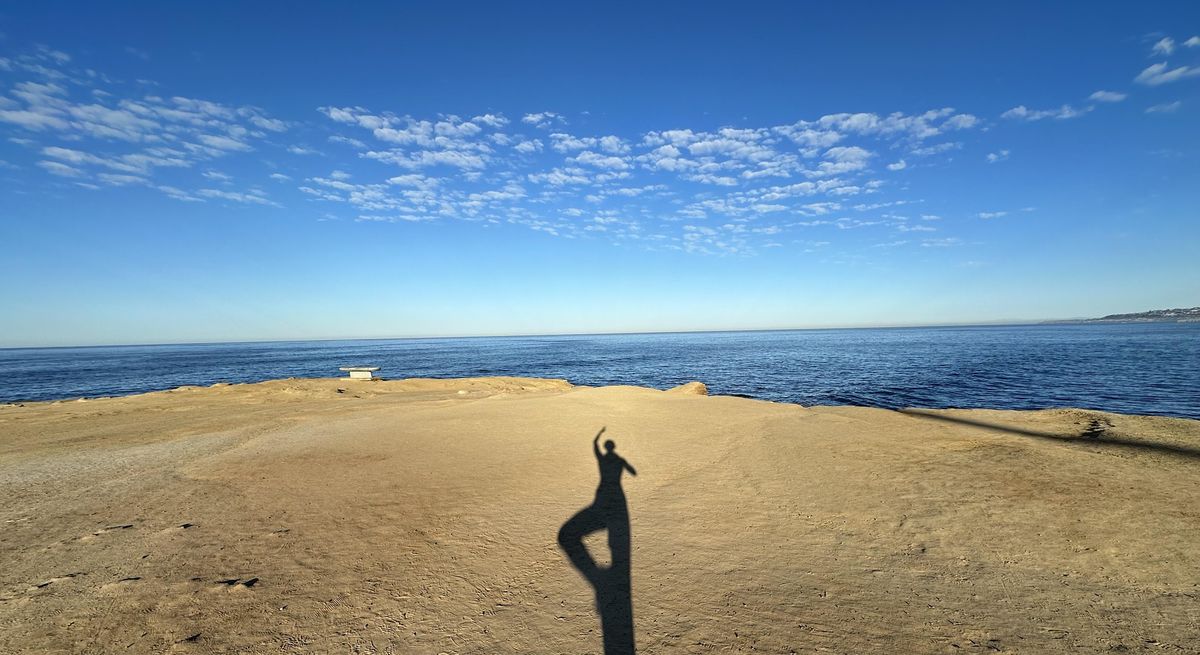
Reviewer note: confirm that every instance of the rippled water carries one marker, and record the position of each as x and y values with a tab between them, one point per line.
1138	368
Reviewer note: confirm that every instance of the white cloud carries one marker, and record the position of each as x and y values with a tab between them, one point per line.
413	180
1157	74
117	139
935	149
819	208
35	93
456	129
848	154
33	120
932	123
811	138
119	179
1021	112
352	142
528	147
993	157
986	215
41	61
746	145
217	176
402	218
449	141
269	124
600	161
613	144
1107	96
633	192
60	169
841	160
141	163
1193	42
491	120
561	177
252	197
749	182
1165	108
508	193
427	158
960	122
73	156
178	194
1165	46
563	142
543	119
709	178
341	114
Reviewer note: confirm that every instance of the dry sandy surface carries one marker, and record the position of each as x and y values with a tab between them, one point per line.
421	516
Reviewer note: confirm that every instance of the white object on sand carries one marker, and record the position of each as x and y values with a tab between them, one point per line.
360	372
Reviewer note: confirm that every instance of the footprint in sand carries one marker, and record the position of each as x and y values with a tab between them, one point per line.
102	531
236	584
50	581
121	584
1096	428
177	528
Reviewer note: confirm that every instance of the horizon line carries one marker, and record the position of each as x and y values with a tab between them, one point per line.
998	323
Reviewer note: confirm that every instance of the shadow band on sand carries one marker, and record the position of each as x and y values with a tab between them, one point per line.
611	584
1095	435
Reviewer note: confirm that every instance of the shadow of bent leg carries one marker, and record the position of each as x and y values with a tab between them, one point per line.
570	539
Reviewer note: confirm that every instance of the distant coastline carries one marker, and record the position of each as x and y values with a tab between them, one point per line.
1178	315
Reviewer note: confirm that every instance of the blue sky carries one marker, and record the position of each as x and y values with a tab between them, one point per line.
174	173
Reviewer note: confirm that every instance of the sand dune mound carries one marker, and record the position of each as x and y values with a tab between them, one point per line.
691	388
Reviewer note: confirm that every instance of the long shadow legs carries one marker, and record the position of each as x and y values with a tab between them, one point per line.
614	600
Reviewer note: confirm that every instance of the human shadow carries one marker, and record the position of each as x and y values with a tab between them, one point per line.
609	511
1095	434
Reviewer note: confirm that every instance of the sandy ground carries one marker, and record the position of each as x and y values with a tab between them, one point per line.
421	516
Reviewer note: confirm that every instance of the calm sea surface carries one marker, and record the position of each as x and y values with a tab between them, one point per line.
1139	368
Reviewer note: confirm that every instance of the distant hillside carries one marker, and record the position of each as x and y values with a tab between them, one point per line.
1189	315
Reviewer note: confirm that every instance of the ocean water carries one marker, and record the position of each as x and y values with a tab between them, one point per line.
1134	368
